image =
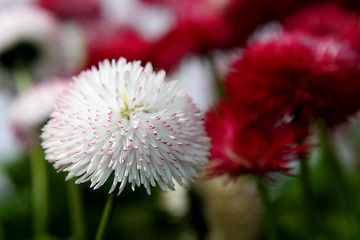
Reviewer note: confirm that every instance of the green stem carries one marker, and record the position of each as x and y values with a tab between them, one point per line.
341	186
308	198
108	211
39	184
2	237
271	231
77	219
23	79
220	89
334	166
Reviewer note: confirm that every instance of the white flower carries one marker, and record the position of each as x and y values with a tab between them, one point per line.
26	26
74	47
177	203
32	108
266	32
125	119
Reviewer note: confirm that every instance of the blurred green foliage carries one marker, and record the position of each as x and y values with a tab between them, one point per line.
137	215
335	214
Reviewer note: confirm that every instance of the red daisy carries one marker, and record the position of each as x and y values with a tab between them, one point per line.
296	77
240	146
244	16
327	20
114	43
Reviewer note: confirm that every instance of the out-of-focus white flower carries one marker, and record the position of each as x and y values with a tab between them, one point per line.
75	48
176	203
196	78
223	60
151	21
126	120
266	32
32	108
8	145
29	35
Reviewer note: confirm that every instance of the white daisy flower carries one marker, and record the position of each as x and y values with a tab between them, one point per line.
31	109
29	35
125	119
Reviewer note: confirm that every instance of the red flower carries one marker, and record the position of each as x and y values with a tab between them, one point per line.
109	43
185	39
296	77
242	146
198	29
327	20
70	9
244	16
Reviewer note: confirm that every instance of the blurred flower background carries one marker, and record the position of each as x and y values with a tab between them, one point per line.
277	85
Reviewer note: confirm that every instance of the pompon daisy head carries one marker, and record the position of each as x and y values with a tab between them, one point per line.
327	19
125	120
243	146
297	77
29	36
31	109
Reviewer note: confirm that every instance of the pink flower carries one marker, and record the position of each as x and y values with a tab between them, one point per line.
31	109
